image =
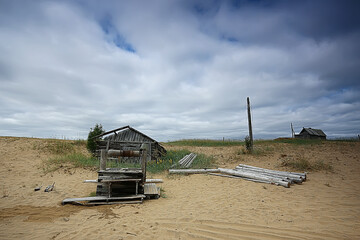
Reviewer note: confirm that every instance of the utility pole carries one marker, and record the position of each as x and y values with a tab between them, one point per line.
250	126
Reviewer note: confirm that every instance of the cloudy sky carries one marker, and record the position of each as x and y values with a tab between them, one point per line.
179	69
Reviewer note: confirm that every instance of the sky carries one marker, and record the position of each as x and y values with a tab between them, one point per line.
179	69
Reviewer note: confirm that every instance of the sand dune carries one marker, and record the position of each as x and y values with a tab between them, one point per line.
327	206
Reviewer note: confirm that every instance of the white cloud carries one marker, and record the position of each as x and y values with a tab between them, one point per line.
61	72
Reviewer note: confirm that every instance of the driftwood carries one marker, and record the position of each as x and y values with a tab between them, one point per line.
193	171
256	176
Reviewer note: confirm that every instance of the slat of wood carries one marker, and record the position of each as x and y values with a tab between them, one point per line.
110	203
102	198
150	189
122	180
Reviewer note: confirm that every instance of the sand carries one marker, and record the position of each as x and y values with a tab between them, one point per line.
327	206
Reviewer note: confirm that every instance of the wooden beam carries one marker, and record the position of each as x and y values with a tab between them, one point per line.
122	153
144	151
193	171
255	176
103	159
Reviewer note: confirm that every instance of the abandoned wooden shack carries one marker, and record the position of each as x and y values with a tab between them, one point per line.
128	138
311	133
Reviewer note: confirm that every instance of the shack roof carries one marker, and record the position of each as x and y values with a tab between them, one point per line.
313	132
114	131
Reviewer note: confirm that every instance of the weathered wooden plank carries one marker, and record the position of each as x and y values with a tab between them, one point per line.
145	150
154	181
102	198
122	153
274	180
188	164
91	181
103	159
122	180
193	171
238	177
292	179
150	189
122	170
111	203
294	174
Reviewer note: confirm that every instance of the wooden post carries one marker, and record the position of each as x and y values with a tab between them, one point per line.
148	159
103	158
250	126
144	151
292	131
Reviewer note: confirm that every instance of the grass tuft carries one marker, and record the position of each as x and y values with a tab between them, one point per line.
303	164
298	141
92	194
162	193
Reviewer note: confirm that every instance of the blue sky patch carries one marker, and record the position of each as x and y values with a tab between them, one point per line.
114	36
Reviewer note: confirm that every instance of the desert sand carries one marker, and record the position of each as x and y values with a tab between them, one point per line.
326	206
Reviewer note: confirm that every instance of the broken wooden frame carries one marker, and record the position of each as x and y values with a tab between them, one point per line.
117	185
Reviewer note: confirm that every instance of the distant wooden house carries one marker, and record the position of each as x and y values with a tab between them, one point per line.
128	138
311	133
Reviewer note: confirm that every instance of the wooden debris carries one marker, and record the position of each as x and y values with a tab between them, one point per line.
100	200
91	181
154	181
186	161
251	173
302	175
49	188
193	171
37	188
256	176
147	180
121	185
151	191
231	176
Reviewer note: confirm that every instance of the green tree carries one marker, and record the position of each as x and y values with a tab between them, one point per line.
91	144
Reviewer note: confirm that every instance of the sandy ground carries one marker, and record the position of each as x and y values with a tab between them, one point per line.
327	206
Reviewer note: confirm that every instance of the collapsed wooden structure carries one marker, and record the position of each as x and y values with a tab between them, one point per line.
120	185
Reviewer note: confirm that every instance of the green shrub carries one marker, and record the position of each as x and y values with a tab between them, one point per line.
248	143
91	141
